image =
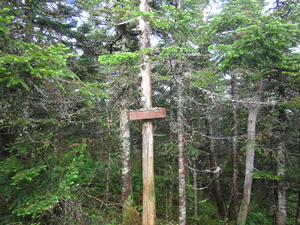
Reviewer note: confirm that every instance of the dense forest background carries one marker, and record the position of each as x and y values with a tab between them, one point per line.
227	72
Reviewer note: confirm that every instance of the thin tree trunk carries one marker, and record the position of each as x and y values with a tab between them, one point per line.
149	209
243	212
126	188
125	159
234	207
181	149
171	192
281	163
281	186
180	139
215	170
195	187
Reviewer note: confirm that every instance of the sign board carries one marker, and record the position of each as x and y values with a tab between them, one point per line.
143	114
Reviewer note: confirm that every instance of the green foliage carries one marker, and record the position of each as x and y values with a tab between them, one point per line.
34	63
27	174
38	185
202	78
31	62
265	175
259	41
120	58
4	20
207	214
260	218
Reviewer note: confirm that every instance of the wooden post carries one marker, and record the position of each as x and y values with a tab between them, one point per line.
149	209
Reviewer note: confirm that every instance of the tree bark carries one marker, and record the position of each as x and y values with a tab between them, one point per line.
181	149
126	187
195	187
234	207
216	187
180	139
149	209
253	113
125	159
281	186
281	163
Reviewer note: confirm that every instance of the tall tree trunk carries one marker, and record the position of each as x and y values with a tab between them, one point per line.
126	188
281	186
243	212
181	149
180	139
281	162
149	209
195	186
125	159
216	187
234	207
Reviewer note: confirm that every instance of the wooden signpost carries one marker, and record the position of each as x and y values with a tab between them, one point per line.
147	113
152	113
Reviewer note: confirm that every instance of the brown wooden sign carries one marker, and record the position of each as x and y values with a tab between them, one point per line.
143	114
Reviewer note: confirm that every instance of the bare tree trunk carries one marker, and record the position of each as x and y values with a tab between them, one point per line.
171	192
181	149
215	169
126	188
195	186
125	159
281	186
149	209
281	162
243	212
180	139
234	207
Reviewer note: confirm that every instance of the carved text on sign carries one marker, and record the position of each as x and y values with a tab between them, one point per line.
143	114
